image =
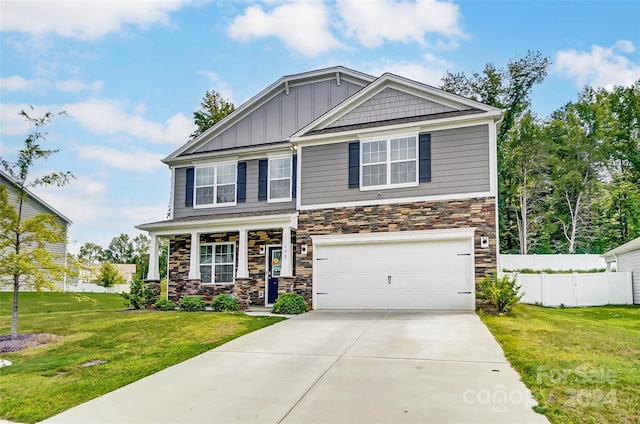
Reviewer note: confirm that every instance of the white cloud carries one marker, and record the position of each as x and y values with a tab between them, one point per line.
111	117
219	85
601	67
133	159
374	22
83	19
302	26
98	213
74	86
429	71
18	83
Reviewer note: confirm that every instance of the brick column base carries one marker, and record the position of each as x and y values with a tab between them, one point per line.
192	288
241	291
154	285
286	284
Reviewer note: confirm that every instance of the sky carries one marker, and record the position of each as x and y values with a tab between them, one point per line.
129	74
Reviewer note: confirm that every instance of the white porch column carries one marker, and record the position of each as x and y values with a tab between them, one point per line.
194	268
243	263
153	258
287	254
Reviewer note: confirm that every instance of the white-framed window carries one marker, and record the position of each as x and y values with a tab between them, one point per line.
389	163
217	263
279	184
215	185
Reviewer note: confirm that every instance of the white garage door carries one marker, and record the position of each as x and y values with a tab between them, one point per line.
412	274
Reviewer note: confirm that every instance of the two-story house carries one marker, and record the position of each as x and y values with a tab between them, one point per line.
356	192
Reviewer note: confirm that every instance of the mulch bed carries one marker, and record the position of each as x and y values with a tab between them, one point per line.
25	341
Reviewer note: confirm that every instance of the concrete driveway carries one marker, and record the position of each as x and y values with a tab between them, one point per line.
333	367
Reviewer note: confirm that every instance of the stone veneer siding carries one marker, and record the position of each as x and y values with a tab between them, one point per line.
476	212
180	285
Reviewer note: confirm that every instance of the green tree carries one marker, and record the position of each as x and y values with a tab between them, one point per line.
526	180
509	89
23	241
90	253
213	108
141	254
120	250
109	275
623	135
578	158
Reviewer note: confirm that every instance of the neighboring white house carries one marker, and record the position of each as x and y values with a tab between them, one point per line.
627	257
32	206
92	274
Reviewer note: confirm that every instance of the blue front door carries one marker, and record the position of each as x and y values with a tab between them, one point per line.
274	266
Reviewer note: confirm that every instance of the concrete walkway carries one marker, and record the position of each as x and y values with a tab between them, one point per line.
333	367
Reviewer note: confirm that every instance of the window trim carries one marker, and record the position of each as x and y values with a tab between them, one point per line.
290	178
389	184
213	264
215	166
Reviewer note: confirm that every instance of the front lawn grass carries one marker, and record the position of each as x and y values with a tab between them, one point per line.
49	302
581	364
46	380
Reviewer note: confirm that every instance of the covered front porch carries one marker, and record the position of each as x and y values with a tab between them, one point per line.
248	256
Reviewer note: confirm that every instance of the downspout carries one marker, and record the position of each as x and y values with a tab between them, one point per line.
66	252
497	214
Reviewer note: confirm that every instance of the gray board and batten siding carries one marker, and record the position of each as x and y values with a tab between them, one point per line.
459	164
630	261
30	208
252	204
283	115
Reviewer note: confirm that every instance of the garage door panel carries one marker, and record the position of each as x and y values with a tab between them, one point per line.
424	275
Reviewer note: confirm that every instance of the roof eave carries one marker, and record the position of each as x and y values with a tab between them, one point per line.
37	199
627	247
388	78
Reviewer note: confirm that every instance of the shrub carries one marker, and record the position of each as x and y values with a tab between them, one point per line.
290	303
501	293
140	294
192	304
224	303
165	305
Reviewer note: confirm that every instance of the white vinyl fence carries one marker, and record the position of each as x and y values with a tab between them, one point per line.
93	288
586	262
593	289
6	286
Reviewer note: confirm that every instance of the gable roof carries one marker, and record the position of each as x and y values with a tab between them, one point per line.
454	105
44	204
627	247
281	85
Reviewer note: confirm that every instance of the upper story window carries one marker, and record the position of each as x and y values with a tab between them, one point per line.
389	163
280	173
215	185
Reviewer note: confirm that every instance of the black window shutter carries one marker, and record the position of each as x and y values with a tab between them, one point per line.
354	164
188	191
425	158
263	171
242	182
294	166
